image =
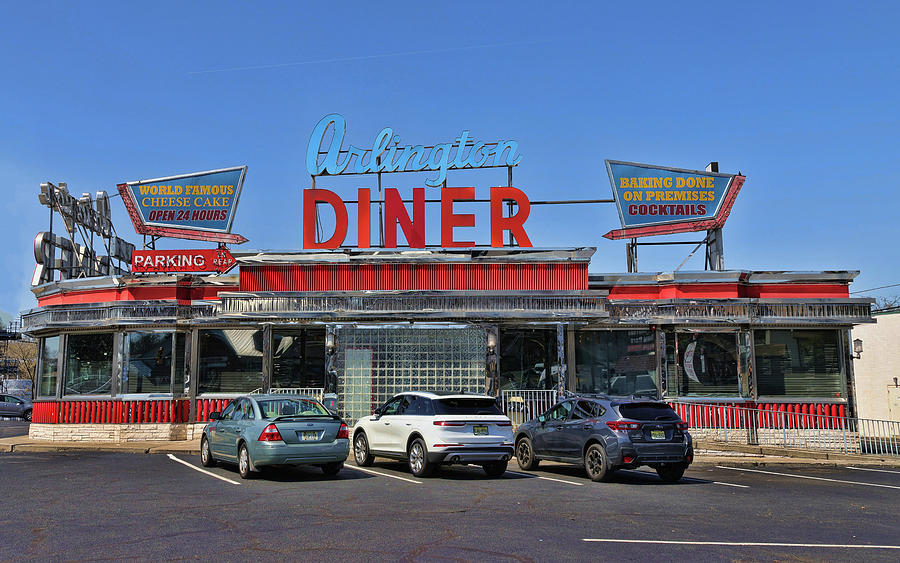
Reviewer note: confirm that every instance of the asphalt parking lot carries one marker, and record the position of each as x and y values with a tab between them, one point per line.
104	506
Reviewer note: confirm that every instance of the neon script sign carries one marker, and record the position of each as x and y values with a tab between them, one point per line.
386	154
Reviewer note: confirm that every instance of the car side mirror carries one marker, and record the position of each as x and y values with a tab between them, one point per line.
215	416
542	418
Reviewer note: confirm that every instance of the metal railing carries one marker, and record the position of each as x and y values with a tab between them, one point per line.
809	431
315	392
521	405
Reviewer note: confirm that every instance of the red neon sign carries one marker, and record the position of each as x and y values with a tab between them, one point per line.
413	228
203	260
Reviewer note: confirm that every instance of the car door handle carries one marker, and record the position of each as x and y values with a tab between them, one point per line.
387	423
586	426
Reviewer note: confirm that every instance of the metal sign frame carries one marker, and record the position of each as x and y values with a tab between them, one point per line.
144	227
736	181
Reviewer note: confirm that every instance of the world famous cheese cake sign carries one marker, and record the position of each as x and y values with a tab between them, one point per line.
657	200
195	206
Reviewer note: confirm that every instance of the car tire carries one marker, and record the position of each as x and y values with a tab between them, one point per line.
495	468
361	453
671	472
244	464
525	454
417	454
27	416
596	463
332	469
206	457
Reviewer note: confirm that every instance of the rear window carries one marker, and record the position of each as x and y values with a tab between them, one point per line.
647	411
465	405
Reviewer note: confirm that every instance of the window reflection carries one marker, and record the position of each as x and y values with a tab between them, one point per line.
230	361
528	359
702	363
49	366
799	363
88	364
149	366
618	362
298	358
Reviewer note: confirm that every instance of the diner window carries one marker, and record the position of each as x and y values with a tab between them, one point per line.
149	363
798	363
616	362
230	361
528	359
178	374
298	358
702	364
49	366
89	364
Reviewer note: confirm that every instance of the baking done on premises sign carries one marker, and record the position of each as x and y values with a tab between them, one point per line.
196	206
657	200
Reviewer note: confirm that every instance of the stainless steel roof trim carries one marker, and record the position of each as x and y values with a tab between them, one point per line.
364	256
726	276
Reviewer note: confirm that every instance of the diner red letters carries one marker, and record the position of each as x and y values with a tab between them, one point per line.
515	223
450	219
363	228
395	212
310	199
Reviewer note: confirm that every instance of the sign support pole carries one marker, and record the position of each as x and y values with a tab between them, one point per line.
715	252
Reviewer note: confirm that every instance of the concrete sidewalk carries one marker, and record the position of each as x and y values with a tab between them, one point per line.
706	452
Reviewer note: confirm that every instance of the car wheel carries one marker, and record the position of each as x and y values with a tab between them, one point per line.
206	458
596	463
671	472
361	452
244	462
27	416
418	459
495	468
332	469
525	454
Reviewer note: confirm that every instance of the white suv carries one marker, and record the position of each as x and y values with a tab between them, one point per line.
430	428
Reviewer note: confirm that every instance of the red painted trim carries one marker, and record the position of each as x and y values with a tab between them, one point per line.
389	277
729	291
181	294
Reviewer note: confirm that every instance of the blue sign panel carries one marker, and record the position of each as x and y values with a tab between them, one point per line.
653	195
203	201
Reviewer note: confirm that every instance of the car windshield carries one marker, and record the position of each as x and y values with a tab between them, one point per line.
272	408
647	411
466	405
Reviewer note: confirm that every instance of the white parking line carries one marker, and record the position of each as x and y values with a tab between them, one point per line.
693	480
210	473
810	477
877	470
748	543
364	470
546	478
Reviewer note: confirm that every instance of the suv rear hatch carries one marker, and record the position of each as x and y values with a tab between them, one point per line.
471	420
659	423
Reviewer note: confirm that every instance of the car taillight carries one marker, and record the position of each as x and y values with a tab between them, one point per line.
343	432
681	425
448	423
621	425
270	434
504	424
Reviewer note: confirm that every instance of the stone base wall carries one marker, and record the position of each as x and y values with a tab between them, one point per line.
115	432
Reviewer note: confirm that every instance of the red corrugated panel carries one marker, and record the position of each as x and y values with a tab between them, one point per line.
414	276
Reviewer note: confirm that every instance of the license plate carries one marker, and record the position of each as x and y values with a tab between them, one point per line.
480	430
657	434
310	435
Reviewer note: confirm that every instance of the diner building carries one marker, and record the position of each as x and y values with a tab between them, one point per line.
147	356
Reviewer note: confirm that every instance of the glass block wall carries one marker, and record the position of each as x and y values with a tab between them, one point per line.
375	363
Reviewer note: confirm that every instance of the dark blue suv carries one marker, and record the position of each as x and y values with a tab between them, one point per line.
608	433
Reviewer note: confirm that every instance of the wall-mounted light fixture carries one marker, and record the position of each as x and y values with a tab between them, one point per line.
329	341
857	347
491	341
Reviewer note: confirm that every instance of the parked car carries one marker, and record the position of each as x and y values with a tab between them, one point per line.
258	431
605	434
432	428
13	406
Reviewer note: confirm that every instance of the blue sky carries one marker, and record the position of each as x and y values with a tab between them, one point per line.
800	97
